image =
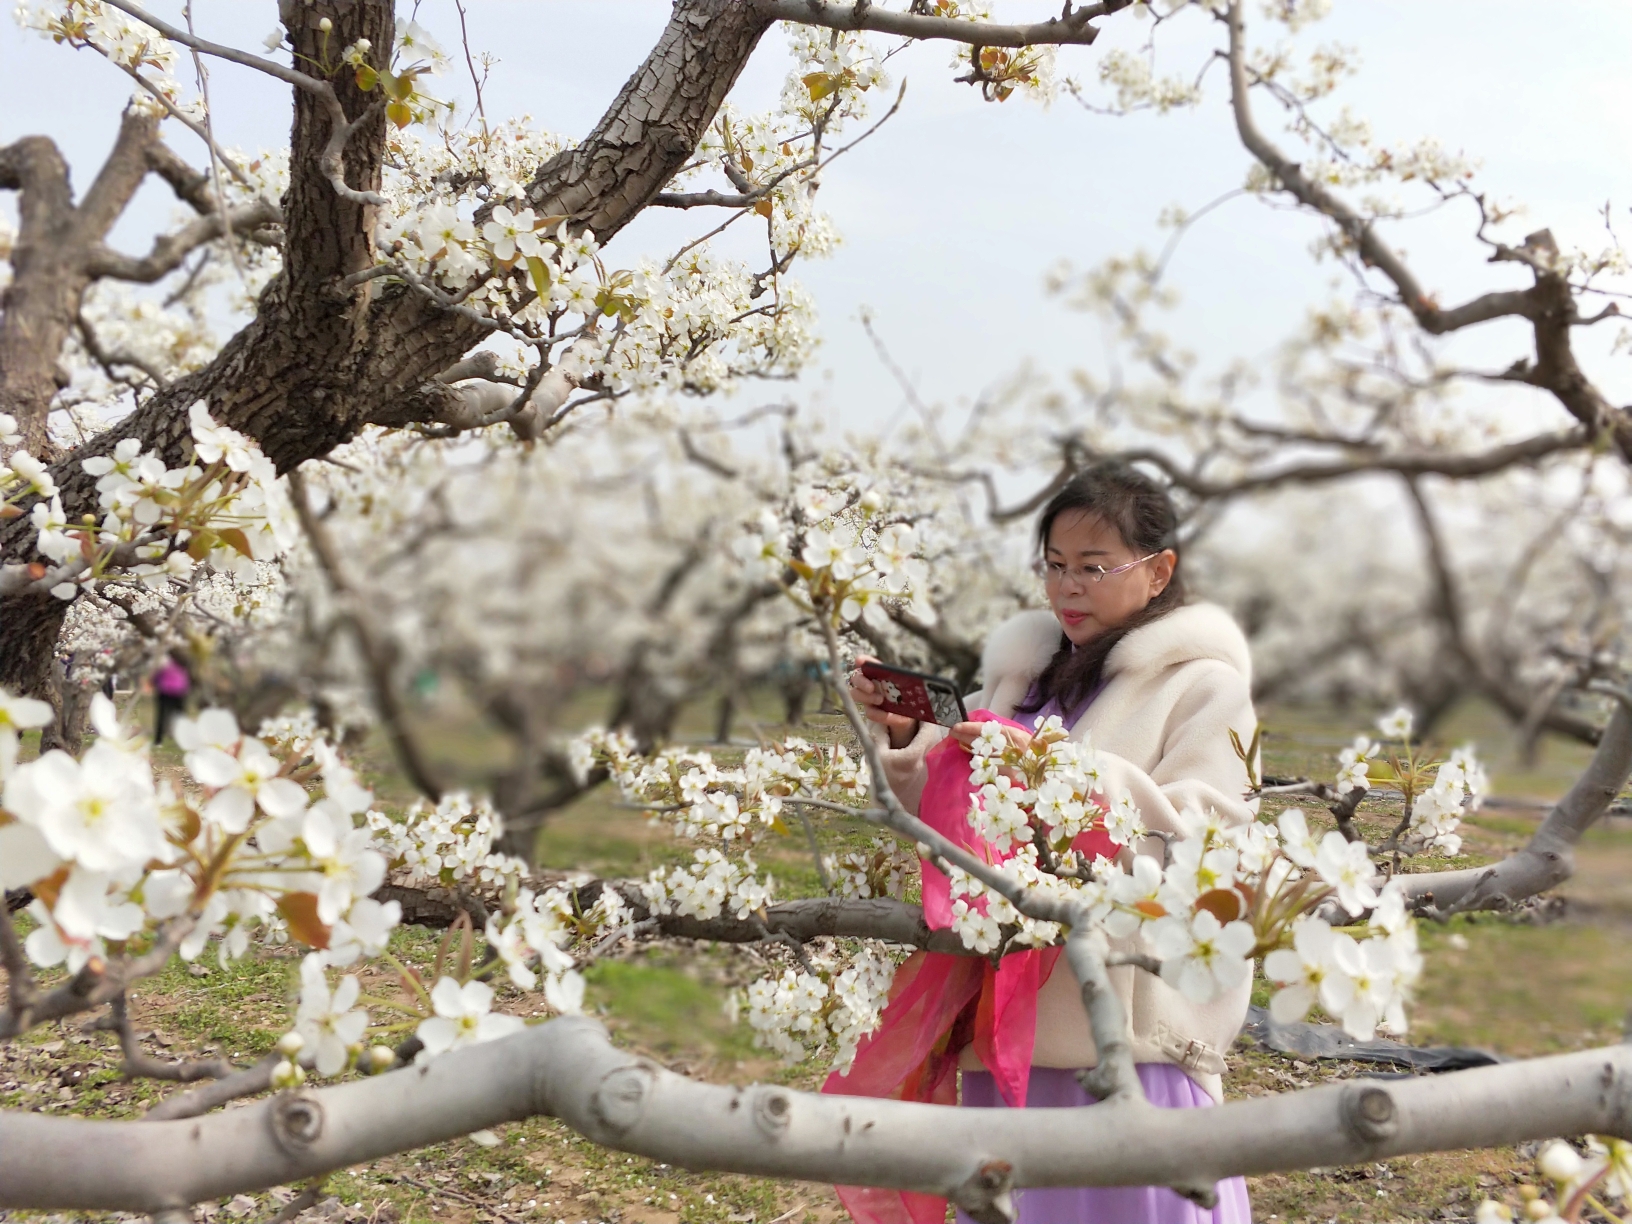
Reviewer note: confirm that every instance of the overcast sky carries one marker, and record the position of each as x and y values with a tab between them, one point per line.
952	214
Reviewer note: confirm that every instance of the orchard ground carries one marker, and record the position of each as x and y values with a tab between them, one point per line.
1560	979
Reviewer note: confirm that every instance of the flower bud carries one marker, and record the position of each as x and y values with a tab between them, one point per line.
872	500
363	45
379	1059
1559	1162
325	25
290	1044
1539	1209
288	1075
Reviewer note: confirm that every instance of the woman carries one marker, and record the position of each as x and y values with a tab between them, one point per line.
1157	686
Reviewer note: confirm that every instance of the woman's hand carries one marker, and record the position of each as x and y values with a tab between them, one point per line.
966	733
869	698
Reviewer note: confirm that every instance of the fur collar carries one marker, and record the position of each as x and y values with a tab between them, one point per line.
1019	648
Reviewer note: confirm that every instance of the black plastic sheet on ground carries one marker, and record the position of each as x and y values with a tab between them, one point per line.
1320	1041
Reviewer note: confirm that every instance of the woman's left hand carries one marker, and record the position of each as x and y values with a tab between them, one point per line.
966	733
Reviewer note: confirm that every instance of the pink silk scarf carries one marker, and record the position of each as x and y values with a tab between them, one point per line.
939	1002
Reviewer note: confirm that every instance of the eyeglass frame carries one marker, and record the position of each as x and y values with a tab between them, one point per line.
1087	572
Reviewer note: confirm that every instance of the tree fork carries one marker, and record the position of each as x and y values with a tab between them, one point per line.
318	363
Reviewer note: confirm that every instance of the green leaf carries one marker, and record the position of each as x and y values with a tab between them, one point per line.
400	88
820	84
539	272
399	114
367	78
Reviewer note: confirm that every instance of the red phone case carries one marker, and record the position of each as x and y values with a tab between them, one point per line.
909	693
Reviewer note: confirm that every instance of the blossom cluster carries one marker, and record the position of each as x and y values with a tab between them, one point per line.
733	807
131	44
1577	1181
843	551
728	809
695	321
226	512
797	1014
1050	783
731	810
1221	896
274	833
1436	792
110	852
446	843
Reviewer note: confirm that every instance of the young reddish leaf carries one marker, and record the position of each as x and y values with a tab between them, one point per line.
10	512
235	537
199	546
367	78
299	910
48	888
1150	909
763	208
399	114
1225	904
36	570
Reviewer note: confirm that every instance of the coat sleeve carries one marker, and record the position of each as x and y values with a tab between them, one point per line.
1198	766
904	770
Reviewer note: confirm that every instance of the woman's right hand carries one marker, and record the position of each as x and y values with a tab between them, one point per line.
869	698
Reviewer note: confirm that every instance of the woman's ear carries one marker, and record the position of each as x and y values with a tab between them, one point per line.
1161	571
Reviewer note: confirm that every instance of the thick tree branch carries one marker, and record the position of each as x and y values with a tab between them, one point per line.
138	1063
1549	858
169	250
192	187
569	1069
1070	28
1549	304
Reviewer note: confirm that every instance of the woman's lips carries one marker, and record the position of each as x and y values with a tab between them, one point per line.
1072	618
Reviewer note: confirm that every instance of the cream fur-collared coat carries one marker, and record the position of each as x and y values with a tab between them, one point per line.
1174	690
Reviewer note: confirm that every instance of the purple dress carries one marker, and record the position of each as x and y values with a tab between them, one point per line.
1165	1086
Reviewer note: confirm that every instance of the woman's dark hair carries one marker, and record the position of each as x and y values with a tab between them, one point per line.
1143	516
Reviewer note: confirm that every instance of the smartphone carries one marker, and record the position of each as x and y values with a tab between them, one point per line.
926	698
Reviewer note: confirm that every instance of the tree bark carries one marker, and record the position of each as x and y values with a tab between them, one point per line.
569	1069
320	361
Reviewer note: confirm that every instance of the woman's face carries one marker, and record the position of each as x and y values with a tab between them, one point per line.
1086	608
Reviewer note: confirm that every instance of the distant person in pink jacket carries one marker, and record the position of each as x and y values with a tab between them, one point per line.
171	684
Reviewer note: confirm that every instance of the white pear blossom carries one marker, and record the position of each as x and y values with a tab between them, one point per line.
1202	956
1307	972
100	812
1354	764
564	992
464	1016
1347	867
345	857
1297	842
17	714
1397	724
327	1021
89	910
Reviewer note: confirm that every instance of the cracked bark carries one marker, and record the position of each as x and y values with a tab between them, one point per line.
320	362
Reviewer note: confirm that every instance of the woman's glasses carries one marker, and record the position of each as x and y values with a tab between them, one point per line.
1056	572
